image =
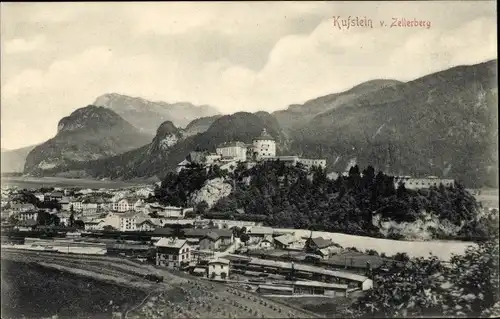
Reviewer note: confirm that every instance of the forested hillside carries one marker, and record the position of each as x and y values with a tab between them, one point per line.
291	197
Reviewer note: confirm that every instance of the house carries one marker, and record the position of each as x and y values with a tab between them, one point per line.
256	234
24	215
172	252
284	241
56	196
112	220
77	205
27	225
193	236
65	203
218	269
145	192
146	225
40	196
64	217
171	212
20	207
267	242
211	241
128	221
319	246
92	224
126	204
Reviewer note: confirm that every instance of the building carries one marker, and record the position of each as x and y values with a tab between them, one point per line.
19	208
267	242
418	183
310	163
128	221
293	160
26	225
274	290
40	196
77	205
256	234
92	224
218	269
56	196
211	241
145	192
146	225
264	146
64	217
24	215
65	203
126	204
172	252
236	151
171	212
320	288
319	246
285	241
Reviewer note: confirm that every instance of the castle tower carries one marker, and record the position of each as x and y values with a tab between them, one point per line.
264	146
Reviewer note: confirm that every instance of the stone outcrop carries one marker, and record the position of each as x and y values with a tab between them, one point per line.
211	192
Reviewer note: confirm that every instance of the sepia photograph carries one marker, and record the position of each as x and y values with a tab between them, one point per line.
249	159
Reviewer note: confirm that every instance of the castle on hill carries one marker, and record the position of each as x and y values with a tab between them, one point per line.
262	148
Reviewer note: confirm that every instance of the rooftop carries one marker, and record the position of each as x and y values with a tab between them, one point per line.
219	261
264	136
171	243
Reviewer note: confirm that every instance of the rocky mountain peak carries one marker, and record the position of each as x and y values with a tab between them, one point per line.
90	117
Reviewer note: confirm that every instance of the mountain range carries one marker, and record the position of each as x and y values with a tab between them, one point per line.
442	124
147	115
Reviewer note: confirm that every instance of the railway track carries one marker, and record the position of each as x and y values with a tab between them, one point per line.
189	297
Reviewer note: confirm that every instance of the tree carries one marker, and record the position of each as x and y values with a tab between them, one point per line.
244	237
13	220
212	276
79	224
201	208
108	228
71	217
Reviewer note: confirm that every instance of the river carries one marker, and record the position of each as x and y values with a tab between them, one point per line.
35	182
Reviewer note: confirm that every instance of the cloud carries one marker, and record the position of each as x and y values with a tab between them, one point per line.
23	45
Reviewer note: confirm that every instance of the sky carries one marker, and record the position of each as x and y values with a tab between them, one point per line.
57	57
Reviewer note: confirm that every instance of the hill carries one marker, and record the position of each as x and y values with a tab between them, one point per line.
87	134
442	124
13	160
148	115
299	114
199	125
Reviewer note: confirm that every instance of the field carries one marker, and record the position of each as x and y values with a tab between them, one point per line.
178	296
33	291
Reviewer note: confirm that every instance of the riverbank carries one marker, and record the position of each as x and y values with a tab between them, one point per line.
32	291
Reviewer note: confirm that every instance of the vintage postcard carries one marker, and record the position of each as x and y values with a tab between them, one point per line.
287	159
